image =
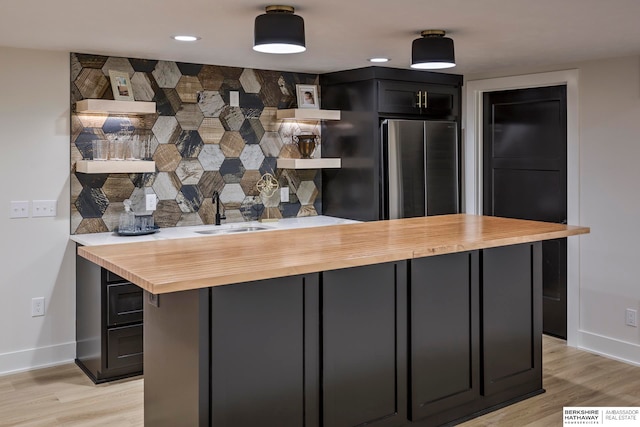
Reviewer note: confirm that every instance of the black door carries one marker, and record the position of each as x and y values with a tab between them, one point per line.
525	176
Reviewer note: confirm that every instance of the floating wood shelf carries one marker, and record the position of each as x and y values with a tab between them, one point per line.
308	114
115	166
107	106
325	163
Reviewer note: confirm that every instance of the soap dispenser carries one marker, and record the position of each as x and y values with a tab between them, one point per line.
127	219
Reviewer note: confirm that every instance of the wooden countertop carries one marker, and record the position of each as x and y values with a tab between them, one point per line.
184	264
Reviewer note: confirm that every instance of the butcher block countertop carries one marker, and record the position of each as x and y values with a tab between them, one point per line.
183	264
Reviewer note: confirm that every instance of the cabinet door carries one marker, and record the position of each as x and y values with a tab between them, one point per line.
260	375
512	319
364	346
124	304
409	98
444	333
124	347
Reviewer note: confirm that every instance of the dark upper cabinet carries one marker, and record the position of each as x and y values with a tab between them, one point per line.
366	97
364	346
444	335
417	99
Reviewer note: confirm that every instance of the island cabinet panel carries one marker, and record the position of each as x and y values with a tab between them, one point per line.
258	333
511	320
363	361
444	335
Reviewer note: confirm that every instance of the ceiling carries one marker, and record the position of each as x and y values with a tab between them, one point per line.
489	35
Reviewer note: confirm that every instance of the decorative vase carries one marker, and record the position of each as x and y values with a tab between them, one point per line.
306	144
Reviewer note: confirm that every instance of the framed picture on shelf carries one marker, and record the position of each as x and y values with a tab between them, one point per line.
121	85
308	96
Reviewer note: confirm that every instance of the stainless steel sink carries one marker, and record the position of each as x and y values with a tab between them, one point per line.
233	230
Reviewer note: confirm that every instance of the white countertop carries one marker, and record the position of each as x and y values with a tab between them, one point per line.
111	238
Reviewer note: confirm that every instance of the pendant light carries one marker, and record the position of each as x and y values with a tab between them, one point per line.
433	51
279	31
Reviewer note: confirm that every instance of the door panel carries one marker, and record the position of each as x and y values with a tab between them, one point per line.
525	176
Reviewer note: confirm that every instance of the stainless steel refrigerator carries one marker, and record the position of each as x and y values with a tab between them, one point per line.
419	168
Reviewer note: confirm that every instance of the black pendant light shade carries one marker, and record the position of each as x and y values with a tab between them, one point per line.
279	31
433	51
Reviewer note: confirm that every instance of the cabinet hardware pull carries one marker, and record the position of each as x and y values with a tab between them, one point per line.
425	100
419	104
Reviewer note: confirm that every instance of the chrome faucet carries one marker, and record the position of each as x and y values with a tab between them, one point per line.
216	199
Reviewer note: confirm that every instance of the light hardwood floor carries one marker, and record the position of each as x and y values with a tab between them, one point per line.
64	396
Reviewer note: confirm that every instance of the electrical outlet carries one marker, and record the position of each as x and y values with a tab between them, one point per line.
284	194
631	317
37	307
19	209
150	200
44	208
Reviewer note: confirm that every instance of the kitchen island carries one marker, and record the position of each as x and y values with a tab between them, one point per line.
412	322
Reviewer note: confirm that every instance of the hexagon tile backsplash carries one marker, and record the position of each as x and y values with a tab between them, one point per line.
199	142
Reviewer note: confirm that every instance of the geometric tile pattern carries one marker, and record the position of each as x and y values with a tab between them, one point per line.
199	142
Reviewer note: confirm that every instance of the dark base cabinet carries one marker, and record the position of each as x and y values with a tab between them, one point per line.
108	324
422	342
364	346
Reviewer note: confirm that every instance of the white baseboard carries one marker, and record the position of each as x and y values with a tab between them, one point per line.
35	358
609	347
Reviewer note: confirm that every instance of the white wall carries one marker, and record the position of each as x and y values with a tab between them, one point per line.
35	254
609	201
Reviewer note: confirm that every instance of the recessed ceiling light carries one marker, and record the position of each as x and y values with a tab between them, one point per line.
185	38
380	59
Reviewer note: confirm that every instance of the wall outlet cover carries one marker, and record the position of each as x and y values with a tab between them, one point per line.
44	208
37	307
150	202
19	209
284	194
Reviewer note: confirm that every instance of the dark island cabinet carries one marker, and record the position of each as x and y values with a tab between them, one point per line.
364	346
444	334
109	328
512	320
414	343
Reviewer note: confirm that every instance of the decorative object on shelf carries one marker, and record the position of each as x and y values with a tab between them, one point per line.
252	208
267	186
127	218
100	149
308	96
433	51
306	144
279	31
121	85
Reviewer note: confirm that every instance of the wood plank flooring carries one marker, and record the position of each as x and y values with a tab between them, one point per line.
64	396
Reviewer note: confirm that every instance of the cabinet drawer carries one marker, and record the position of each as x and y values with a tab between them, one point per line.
113	277
124	346
124	304
402	98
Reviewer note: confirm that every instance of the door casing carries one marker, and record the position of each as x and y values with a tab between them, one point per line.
472	177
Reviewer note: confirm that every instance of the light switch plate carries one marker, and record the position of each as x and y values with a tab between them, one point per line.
234	98
44	208
284	194
19	209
